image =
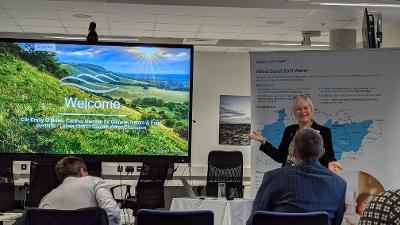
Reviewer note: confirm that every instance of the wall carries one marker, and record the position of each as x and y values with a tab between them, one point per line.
391	36
216	74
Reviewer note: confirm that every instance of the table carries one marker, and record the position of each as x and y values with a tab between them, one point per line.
226	212
9	218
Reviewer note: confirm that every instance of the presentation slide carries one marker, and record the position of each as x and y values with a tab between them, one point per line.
75	98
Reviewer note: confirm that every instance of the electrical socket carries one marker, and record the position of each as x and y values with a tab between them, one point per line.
119	169
129	169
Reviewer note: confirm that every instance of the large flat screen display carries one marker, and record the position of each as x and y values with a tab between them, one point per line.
109	101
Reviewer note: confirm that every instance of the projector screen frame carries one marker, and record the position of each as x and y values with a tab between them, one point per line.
40	157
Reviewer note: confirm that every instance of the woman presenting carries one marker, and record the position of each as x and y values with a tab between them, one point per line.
303	110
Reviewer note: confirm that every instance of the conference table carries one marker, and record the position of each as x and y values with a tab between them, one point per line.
226	212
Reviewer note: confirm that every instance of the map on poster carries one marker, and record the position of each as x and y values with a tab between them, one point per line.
347	136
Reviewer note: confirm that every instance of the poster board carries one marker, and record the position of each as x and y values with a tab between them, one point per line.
355	93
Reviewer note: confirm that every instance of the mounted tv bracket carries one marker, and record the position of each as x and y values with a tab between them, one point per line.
92	35
307	36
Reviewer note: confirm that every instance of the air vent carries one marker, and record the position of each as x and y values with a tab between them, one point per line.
199	41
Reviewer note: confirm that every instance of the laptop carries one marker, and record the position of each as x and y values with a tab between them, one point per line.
188	188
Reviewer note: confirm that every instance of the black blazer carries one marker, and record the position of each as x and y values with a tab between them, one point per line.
280	154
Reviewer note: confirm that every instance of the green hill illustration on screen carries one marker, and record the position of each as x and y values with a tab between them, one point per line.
346	137
34	90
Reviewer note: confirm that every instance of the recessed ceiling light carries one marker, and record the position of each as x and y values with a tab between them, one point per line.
82	16
275	22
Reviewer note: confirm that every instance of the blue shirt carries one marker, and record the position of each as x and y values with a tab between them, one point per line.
305	187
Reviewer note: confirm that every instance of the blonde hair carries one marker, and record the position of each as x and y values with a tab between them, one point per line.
305	98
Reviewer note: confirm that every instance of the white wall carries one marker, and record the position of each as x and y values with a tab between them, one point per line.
216	74
391	36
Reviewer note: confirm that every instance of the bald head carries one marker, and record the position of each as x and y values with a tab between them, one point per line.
308	145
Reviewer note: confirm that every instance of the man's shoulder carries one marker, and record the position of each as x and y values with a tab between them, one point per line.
280	172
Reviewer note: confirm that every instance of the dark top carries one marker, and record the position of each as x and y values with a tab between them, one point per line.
305	187
280	154
383	209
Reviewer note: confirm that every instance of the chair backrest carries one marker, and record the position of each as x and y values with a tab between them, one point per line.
154	217
43	179
281	218
150	186
225	167
84	216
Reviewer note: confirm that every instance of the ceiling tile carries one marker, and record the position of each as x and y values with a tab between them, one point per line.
183	10
81	6
7	21
217	29
139	18
132	26
156	9
217	35
227	21
25	5
323	25
84	31
259	37
232	12
132	33
267	30
97	17
3	14
180	19
84	24
177	27
354	25
32	14
263	22
9	28
344	14
285	13
166	34
118	8
43	30
38	22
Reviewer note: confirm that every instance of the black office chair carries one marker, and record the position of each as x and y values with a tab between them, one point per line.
154	217
149	188
225	167
278	218
84	216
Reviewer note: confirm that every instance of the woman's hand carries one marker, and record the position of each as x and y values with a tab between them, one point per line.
256	136
335	167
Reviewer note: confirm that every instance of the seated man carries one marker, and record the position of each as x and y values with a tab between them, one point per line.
383	209
79	190
305	187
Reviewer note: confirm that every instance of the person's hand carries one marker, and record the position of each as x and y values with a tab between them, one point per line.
335	167
256	136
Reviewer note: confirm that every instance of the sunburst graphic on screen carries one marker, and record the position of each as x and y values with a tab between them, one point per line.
149	58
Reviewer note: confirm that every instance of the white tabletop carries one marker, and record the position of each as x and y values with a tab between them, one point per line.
226	212
9	218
